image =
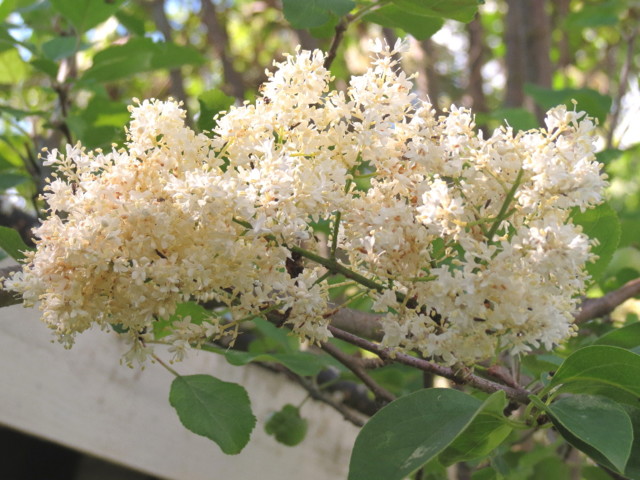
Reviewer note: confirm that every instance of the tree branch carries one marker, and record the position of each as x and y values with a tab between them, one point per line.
598	307
316	393
218	38
381	394
341	27
359	323
462	375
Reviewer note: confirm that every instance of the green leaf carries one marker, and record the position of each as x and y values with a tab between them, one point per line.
552	468
133	23
273	338
591	101
13	70
287	426
590	472
60	47
20	114
220	411
86	14
597	426
409	432
304	364
198	314
517	118
212	102
9	180
632	469
625	337
487	473
600	365
592	16
392	16
486	431
601	223
139	55
314	13
461	10
9	6
100	123
11	242
49	67
538	365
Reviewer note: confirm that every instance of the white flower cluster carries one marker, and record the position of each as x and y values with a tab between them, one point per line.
470	241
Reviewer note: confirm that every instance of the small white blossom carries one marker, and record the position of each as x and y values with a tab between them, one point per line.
476	233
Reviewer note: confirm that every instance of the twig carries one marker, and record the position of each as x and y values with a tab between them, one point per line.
165	365
315	393
463	375
599	307
341	27
352	364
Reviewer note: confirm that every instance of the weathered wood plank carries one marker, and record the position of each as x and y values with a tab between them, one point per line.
83	398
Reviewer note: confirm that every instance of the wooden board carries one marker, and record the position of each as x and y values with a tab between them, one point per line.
84	399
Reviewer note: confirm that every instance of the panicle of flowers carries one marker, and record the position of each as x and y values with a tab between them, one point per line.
471	237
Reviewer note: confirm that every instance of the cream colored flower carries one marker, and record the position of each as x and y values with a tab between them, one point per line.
476	232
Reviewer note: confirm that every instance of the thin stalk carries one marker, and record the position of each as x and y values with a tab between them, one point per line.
502	214
336	267
334	240
161	362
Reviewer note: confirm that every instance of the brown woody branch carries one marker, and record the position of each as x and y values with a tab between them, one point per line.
462	375
341	27
599	307
353	364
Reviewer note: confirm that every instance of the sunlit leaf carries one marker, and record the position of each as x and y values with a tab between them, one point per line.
600	365
461	10
13	70
139	55
314	13
86	14
419	26
487	430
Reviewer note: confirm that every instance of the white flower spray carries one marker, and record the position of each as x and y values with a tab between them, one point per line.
471	239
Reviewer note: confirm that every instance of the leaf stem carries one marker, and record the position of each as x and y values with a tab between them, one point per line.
504	210
165	365
337	267
334	239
